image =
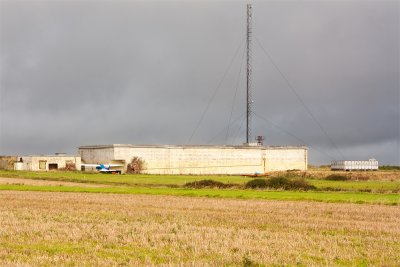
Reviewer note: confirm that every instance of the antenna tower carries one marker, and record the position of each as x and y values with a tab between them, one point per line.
248	83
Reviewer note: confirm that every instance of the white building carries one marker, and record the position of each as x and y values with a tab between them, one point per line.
353	165
199	159
47	162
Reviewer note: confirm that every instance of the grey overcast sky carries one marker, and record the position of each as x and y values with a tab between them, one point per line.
143	72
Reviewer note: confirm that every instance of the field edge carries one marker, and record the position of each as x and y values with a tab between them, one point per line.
328	197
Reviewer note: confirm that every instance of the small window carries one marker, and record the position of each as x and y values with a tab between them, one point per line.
42	164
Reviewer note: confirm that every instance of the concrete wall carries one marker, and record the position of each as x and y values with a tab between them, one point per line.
194	160
32	163
200	159
97	155
283	159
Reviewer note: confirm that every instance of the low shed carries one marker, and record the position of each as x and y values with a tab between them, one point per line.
354	165
48	162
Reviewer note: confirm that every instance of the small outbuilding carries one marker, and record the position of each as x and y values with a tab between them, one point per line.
59	161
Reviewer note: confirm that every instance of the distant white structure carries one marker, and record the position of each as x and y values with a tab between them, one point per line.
355	165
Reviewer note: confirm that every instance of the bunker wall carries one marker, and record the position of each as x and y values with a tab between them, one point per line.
284	159
200	160
188	160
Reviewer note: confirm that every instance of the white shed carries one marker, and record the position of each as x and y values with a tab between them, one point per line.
355	165
47	162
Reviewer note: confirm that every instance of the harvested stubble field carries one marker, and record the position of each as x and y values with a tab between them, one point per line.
43	228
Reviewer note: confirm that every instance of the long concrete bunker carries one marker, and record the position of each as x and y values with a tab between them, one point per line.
200	159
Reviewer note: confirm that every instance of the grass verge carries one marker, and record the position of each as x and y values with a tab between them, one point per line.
374	186
126	179
347	197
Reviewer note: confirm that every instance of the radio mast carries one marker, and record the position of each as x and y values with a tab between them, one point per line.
248	83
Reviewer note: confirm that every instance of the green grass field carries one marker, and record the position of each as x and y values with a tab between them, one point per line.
373	192
374	186
126	179
349	197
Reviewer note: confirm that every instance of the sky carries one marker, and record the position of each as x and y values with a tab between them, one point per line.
325	74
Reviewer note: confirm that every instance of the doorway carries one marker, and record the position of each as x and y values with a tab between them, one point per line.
53	166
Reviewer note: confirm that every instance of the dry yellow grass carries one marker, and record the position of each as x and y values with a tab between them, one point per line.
39	228
23	181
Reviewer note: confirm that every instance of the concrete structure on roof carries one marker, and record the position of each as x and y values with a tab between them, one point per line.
47	162
191	159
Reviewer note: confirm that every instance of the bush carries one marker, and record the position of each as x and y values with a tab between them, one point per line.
207	184
390	167
256	183
69	166
301	184
136	166
280	183
337	177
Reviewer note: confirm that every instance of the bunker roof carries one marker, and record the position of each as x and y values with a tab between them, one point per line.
52	156
191	146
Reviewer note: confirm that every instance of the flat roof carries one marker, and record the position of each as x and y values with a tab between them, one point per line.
190	146
52	156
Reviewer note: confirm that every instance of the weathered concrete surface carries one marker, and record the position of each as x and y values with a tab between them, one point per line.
200	159
283	159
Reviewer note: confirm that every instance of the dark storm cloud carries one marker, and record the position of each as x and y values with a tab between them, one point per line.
93	72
